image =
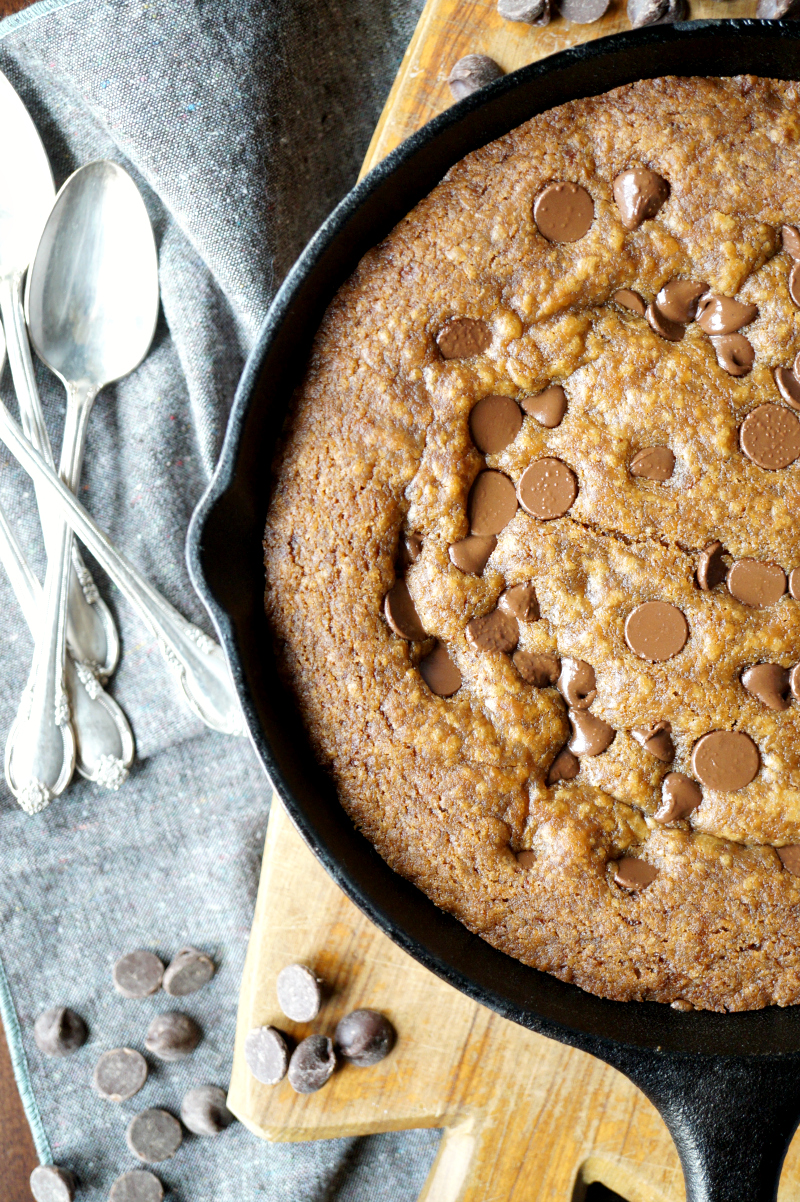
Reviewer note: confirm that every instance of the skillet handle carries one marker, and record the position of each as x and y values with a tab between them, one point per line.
732	1118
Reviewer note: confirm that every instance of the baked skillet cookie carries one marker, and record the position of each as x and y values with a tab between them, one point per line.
533	550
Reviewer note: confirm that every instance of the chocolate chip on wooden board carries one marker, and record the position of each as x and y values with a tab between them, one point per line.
725	760
299	993
189	971
548	407
680	796
564	211
770	683
312	1064
364	1037
138	1185
50	1183
494	423
172	1036
154	1135
656	12
472	553
472	72
583	12
639	193
138	974
440	673
530	12
204	1110
788	386
266	1054
59	1032
119	1074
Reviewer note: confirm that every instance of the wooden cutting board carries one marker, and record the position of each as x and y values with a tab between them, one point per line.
524	1118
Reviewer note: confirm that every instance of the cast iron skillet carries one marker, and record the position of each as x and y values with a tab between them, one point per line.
728	1086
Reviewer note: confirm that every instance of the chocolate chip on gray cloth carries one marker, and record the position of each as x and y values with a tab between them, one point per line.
299	993
576	683
680	796
788	386
138	974
472	553
495	631
189	971
520	601
756	584
770	436
59	1031
119	1074
547	407
710	568
463	337
790	858
794	583
204	1110
537	669
735	354
49	1183
547	489
632	873
266	1054
401	613
312	1064
718	314
656	631
492	503
494	423
657	740
628	299
770	683
725	760
563	212
472	72
440	674
653	463
172	1036
583	12
673	331
678	299
138	1185
639	193
154	1135
790	240
530	12
364	1037
565	766
590	734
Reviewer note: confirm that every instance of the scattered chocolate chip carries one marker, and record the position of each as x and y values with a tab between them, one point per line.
266	1054
530	12
790	858
495	631
520	601
492	503
463	337
527	859
401	614
469	74
794	583
756	584
681	1005
632	873
439	672
119	1074
794	284
788	386
639	194
548	407
680	795
547	489
710	568
770	683
735	354
138	974
299	993
537	670
204	1110
137	1186
653	463
189	971
726	760
673	331
790	237
49	1183
656	740
583	12
410	550
172	1036
565	766
364	1037
794	682
656	631
590	734
59	1032
656	12
154	1135
472	553
629	299
564	212
718	314
312	1064
577	684
678	299
494	423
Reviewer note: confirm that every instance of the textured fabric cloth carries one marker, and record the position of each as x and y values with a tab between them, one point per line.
243	123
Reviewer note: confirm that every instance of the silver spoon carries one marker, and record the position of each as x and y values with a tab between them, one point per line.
26	197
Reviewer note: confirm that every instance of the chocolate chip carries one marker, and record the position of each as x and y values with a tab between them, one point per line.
119	1074
794	283
656	12
632	873
189	971
790	237
49	1183
653	463
790	858
788	386
299	993
794	682
494	423
548	407
172	1036
410	549
656	740
529	11
520	601
266	1054
137	1186
204	1110
312	1064
564	212
472	553
680	795
639	194
527	859
364	1037
710	568
756	584
769	683
628	299
577	684
565	766
590	734
59	1032
794	583
401	614
469	74
154	1135
439	672
718	314
138	974
735	354
656	631
726	760
495	631
463	337
492	503
537	670
681	1005
583	12
673	331
678	300
547	489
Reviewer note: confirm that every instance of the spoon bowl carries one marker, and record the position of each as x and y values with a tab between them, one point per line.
26	190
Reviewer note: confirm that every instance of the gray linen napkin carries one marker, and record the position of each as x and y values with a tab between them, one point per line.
243	123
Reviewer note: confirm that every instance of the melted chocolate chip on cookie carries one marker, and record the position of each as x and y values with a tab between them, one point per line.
725	760
639	194
492	503
463	338
472	553
718	314
494	423
548	407
632	873
680	795
563	212
496	631
590	734
657	740
520	601
547	489
770	436
673	331
711	570
790	858
677	300
656	630
626	298
735	354
788	386
537	670
653	463
401	614
756	584
439	672
770	683
565	766
577	684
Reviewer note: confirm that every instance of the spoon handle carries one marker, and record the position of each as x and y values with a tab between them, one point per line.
195	659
